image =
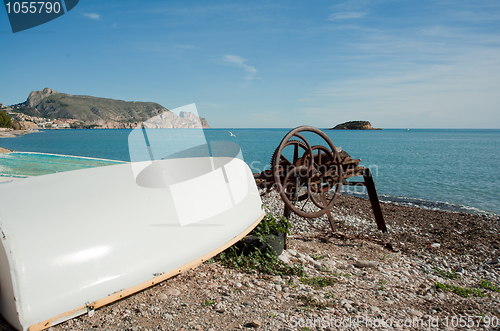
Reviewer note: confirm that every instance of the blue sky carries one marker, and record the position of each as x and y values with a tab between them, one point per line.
398	64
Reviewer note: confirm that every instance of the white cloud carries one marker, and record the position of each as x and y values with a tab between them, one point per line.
459	93
240	62
93	16
234	59
346	15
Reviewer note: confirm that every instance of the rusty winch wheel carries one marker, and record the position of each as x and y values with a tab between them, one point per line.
308	178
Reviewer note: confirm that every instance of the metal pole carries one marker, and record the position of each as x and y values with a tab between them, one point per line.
372	194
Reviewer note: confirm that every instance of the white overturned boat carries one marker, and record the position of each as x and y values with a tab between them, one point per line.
75	241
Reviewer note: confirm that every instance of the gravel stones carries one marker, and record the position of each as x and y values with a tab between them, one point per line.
415	313
215	297
255	323
285	257
172	291
365	264
494	261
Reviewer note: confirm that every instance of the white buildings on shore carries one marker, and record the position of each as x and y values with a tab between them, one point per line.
40	122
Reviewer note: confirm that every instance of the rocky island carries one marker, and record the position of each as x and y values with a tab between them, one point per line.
355	125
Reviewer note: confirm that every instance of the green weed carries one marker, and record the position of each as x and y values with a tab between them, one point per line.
317	257
209	302
447	274
265	261
488	285
318	282
336	274
463	292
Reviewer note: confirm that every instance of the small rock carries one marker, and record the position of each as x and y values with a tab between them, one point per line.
494	261
496	311
344	302
285	259
292	252
238	285
459	270
255	323
415	313
172	291
168	316
315	263
330	263
163	296
375	309
365	264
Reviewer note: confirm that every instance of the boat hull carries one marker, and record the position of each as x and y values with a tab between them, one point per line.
74	241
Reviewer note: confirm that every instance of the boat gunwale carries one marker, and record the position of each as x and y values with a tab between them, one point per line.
142	286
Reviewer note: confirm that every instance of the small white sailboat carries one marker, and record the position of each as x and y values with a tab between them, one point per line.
72	242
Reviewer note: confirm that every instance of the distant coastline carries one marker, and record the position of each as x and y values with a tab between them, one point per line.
49	109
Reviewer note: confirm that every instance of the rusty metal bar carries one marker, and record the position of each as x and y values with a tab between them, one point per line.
372	194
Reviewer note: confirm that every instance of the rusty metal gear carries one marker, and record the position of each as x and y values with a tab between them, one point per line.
309	183
309	178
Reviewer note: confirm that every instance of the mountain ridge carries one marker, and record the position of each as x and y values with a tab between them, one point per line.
89	111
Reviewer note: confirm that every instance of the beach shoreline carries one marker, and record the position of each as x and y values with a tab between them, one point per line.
15	133
401	287
9	133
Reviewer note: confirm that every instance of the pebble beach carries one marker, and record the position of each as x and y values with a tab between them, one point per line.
355	281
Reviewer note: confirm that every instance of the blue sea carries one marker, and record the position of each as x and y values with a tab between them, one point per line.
448	169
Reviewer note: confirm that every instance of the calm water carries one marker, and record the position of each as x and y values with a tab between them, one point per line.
35	164
445	169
